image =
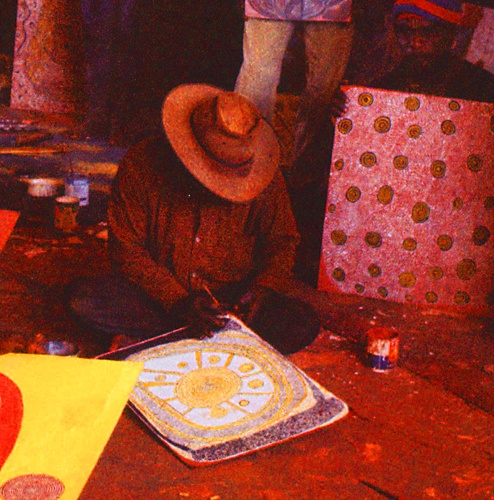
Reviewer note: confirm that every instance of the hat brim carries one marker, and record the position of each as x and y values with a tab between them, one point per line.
238	185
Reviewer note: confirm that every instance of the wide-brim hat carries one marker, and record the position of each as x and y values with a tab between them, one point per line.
234	155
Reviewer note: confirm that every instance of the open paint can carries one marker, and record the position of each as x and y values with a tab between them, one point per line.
78	185
40	198
66	209
382	348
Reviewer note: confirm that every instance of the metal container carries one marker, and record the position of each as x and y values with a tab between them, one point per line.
66	209
78	185
40	199
42	187
382	348
60	348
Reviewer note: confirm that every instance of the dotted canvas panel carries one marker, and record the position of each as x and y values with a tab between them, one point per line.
48	74
214	399
410	206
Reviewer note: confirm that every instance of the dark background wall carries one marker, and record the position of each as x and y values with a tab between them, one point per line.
153	45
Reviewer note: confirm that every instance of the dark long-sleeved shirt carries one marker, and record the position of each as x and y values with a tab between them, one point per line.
170	235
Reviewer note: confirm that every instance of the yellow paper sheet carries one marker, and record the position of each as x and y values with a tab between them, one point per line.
71	406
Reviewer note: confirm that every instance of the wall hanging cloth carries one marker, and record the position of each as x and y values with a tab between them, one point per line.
300	10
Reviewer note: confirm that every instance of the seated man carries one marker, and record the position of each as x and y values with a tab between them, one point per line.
200	224
424	33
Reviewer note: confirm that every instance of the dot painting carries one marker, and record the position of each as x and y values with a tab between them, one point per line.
213	399
411	216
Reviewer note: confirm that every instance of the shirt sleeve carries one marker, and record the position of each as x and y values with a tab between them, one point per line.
129	213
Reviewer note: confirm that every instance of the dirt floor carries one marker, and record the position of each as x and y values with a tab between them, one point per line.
422	430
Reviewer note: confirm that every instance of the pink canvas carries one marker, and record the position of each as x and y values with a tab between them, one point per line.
410	207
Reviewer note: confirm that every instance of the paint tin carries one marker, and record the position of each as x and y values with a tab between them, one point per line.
40	199
60	348
382	348
66	209
78	185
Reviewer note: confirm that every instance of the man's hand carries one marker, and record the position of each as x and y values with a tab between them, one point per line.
338	105
202	313
248	306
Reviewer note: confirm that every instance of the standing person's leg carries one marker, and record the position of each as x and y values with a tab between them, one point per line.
327	47
264	46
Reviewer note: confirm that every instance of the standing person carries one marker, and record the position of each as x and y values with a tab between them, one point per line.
327	35
202	209
424	37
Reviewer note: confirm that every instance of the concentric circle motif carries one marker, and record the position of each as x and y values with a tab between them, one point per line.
207	387
345	126
353	194
448	127
368	159
454	106
213	391
407	279
457	203
338	237
382	291
414	131
436	273
409	244
420	212
359	288
374	270
481	235
32	487
408	298
365	99
339	164
475	163
489	203
373	239
444	242
339	274
331	208
466	269
412	103
400	162
462	298
382	124
438	169
431	297
385	195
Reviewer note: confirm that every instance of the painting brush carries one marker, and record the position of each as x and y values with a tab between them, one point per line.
213	298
